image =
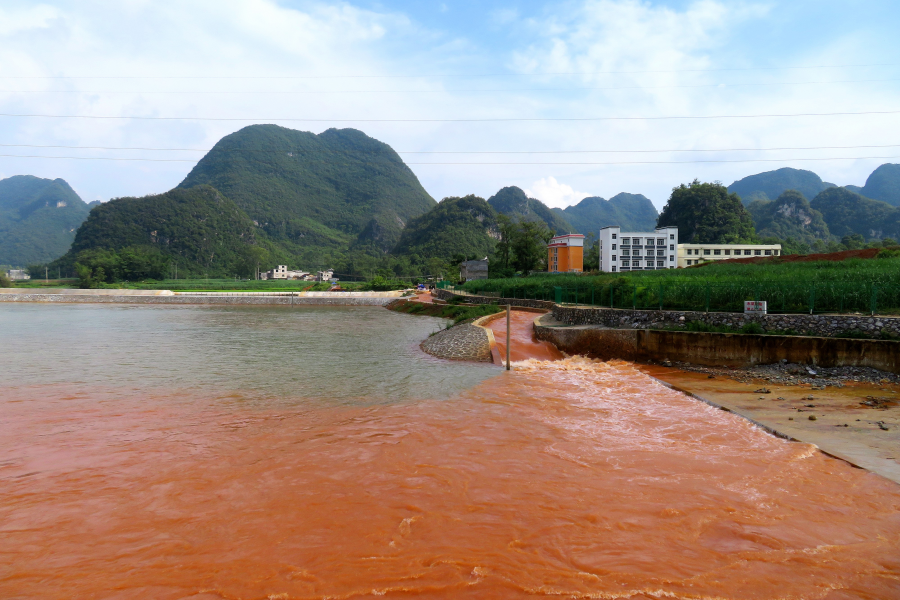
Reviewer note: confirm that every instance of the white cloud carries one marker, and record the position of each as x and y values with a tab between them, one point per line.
255	38
554	194
13	21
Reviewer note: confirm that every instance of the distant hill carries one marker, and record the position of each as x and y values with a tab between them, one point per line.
464	226
846	213
312	192
199	229
771	184
38	219
512	202
789	217
632	212
883	184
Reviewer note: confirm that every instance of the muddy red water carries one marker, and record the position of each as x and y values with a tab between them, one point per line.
523	344
567	478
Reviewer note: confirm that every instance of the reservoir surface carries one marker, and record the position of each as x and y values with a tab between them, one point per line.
252	453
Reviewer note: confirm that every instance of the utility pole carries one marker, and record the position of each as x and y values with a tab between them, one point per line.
507	336
46	277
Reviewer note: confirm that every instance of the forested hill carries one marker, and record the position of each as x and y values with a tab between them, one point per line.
199	229
883	184
771	184
632	212
38	219
310	192
456	226
512	202
847	212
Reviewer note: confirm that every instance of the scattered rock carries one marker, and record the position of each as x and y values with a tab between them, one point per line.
710	376
882	426
812	417
762	391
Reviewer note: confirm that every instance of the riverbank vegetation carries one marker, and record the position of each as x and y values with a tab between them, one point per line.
457	312
853	285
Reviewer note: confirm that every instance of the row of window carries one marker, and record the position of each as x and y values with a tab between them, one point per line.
637	241
637	248
637	260
627	252
727	252
637	263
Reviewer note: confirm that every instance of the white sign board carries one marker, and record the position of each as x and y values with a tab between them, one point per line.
755	307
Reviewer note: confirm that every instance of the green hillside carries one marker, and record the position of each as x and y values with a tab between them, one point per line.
846	213
466	226
312	192
771	184
789	217
198	229
883	184
512	202
38	219
632	212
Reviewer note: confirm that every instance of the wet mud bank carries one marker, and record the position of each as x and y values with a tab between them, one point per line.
718	349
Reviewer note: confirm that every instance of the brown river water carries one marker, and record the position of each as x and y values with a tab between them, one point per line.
263	453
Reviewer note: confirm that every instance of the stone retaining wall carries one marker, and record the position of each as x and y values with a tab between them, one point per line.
218	300
823	325
719	349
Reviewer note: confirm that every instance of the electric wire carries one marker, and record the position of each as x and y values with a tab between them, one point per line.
650	162
451	75
471	151
472	120
444	91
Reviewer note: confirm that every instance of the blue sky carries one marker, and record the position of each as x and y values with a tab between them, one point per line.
335	62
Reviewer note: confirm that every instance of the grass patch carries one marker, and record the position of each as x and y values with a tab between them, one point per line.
455	312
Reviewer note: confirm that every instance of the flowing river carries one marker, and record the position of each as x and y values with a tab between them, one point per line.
268	453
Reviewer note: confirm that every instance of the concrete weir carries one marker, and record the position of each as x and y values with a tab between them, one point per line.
717	349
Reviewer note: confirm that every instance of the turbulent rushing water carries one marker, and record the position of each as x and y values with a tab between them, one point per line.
263	453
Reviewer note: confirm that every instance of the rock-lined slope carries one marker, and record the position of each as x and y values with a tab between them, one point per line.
314	191
38	219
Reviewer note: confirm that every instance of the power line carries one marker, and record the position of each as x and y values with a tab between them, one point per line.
484	120
653	162
444	91
467	151
447	76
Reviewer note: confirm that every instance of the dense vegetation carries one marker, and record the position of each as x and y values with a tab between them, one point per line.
790	217
38	219
631	212
771	184
883	184
706	213
197	229
311	192
456	226
854	285
512	202
847	213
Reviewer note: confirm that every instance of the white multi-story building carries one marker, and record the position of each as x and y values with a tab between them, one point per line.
18	274
282	272
637	251
694	254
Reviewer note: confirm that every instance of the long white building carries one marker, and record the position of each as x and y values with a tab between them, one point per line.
638	251
694	254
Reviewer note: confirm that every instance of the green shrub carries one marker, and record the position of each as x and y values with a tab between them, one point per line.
5	282
754	328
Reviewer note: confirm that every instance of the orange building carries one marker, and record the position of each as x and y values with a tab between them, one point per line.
565	253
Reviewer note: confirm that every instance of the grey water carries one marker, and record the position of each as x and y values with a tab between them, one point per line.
265	354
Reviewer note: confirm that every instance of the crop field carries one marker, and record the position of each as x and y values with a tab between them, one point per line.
851	286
